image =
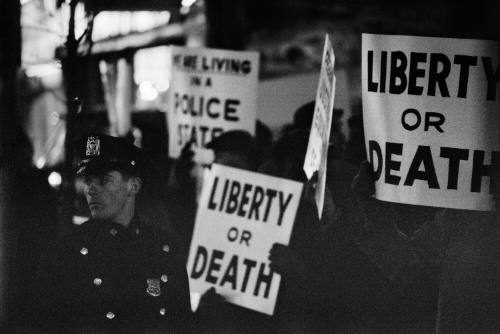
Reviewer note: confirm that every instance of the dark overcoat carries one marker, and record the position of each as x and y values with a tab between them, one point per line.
104	277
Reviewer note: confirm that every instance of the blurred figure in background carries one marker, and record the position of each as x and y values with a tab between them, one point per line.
263	141
293	262
37	222
234	148
295	305
444	263
355	151
303	116
327	279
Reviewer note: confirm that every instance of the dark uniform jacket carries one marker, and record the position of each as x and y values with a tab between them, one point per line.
105	278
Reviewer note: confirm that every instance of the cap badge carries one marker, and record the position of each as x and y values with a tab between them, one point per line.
93	146
153	287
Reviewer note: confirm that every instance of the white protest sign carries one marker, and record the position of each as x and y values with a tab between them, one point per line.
211	91
240	216
317	148
431	115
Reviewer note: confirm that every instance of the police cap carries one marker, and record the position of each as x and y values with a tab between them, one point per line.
99	153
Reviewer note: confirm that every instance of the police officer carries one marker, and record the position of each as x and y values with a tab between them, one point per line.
113	273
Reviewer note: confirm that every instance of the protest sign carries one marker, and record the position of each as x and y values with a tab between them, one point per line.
240	216
317	148
211	91
431	115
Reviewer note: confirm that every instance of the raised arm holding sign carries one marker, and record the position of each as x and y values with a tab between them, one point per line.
430	108
211	91
240	216
431	123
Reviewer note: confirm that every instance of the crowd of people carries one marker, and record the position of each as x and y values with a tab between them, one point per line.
366	266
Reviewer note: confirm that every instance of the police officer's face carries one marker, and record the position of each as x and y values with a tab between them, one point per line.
107	194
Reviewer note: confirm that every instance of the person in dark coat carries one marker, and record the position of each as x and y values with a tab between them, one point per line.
113	273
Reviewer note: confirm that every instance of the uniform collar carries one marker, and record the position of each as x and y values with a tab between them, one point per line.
135	226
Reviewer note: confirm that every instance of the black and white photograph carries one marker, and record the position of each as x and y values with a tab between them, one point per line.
238	166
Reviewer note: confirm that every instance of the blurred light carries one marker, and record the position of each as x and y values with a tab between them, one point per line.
42	70
78	220
109	23
55	179
184	10
147	91
137	133
40	163
153	65
187	3
163	86
80	19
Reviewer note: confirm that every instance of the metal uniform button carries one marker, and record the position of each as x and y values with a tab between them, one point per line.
137	231
110	315
163	311
166	248
97	281
113	232
84	251
164	278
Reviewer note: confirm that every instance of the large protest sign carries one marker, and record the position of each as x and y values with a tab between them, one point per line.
240	216
431	115
317	148
211	91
